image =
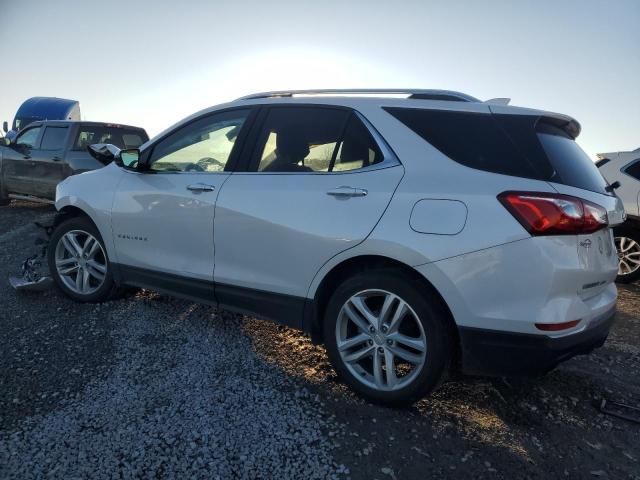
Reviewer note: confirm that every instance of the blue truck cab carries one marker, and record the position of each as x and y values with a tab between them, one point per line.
42	108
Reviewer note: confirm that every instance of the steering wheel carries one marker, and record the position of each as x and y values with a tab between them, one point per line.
204	161
193	167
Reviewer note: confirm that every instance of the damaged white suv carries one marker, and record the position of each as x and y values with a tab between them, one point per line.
411	232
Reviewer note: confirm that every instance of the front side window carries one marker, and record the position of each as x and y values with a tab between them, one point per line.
54	138
311	139
28	138
201	146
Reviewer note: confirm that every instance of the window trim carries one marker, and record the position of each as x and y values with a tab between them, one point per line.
64	142
234	156
252	155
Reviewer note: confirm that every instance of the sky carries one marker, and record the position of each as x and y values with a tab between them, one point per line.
152	63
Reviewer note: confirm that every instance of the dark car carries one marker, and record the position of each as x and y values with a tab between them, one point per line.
46	152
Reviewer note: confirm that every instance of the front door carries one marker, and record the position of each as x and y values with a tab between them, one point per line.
163	216
18	164
317	184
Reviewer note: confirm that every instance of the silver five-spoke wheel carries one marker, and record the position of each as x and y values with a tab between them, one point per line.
381	340
81	262
628	255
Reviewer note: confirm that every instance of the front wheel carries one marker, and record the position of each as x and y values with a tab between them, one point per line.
78	261
389	340
628	248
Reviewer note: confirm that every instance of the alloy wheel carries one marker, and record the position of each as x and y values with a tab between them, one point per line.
381	340
80	262
628	255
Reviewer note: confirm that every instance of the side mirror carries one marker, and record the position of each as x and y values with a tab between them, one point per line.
105	153
5	126
129	158
5	142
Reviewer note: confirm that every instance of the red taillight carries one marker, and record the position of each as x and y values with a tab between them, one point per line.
554	327
554	214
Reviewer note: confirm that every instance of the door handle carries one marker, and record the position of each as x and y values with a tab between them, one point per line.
56	159
27	157
347	192
201	187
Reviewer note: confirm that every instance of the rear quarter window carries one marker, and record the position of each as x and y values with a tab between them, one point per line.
475	140
633	169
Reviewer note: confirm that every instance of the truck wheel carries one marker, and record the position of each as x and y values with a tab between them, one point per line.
628	247
79	263
389	340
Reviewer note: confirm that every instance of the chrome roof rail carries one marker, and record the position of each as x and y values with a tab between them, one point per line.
419	94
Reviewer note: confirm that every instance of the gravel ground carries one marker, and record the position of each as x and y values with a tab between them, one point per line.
154	387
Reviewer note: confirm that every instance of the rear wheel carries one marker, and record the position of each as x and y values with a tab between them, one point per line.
387	339
628	247
78	261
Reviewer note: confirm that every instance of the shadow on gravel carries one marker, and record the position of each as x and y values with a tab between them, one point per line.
477	427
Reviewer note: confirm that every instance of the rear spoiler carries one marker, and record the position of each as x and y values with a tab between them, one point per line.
564	122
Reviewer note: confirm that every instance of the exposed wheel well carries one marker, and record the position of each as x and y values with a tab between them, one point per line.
372	262
69	212
632	223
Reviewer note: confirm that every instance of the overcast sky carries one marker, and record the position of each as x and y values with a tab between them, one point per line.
151	63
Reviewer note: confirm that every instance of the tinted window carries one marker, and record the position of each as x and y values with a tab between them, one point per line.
518	145
121	137
476	140
309	139
202	146
53	138
572	166
29	137
634	169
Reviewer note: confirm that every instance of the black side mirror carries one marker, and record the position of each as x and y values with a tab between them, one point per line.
105	153
5	126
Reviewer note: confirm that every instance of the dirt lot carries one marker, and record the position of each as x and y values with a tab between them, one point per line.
153	387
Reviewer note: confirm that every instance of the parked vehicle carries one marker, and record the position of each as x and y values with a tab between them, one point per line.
624	168
45	153
42	108
411	235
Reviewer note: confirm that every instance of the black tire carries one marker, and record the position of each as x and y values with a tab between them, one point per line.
431	314
633	234
108	290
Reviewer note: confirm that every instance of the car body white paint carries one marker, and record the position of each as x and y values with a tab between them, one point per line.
281	232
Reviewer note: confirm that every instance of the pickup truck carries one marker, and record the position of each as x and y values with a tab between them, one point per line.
47	152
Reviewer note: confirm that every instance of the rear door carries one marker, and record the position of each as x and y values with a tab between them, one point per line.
316	184
17	164
48	166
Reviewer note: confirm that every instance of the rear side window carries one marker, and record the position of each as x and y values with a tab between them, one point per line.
312	139
518	145
634	169
54	138
476	140
572	166
118	136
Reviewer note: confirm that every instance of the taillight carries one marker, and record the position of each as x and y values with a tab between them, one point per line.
554	214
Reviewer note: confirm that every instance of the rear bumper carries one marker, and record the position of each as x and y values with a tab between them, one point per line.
499	353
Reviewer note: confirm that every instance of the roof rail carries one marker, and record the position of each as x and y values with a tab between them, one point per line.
419	94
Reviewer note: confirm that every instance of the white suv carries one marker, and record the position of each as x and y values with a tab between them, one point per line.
411	232
624	168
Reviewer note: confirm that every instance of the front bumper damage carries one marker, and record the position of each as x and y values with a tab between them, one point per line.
34	273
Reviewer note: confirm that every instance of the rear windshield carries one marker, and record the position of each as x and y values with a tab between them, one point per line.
121	137
516	145
571	164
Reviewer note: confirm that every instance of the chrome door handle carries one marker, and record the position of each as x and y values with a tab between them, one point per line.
347	192
201	187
